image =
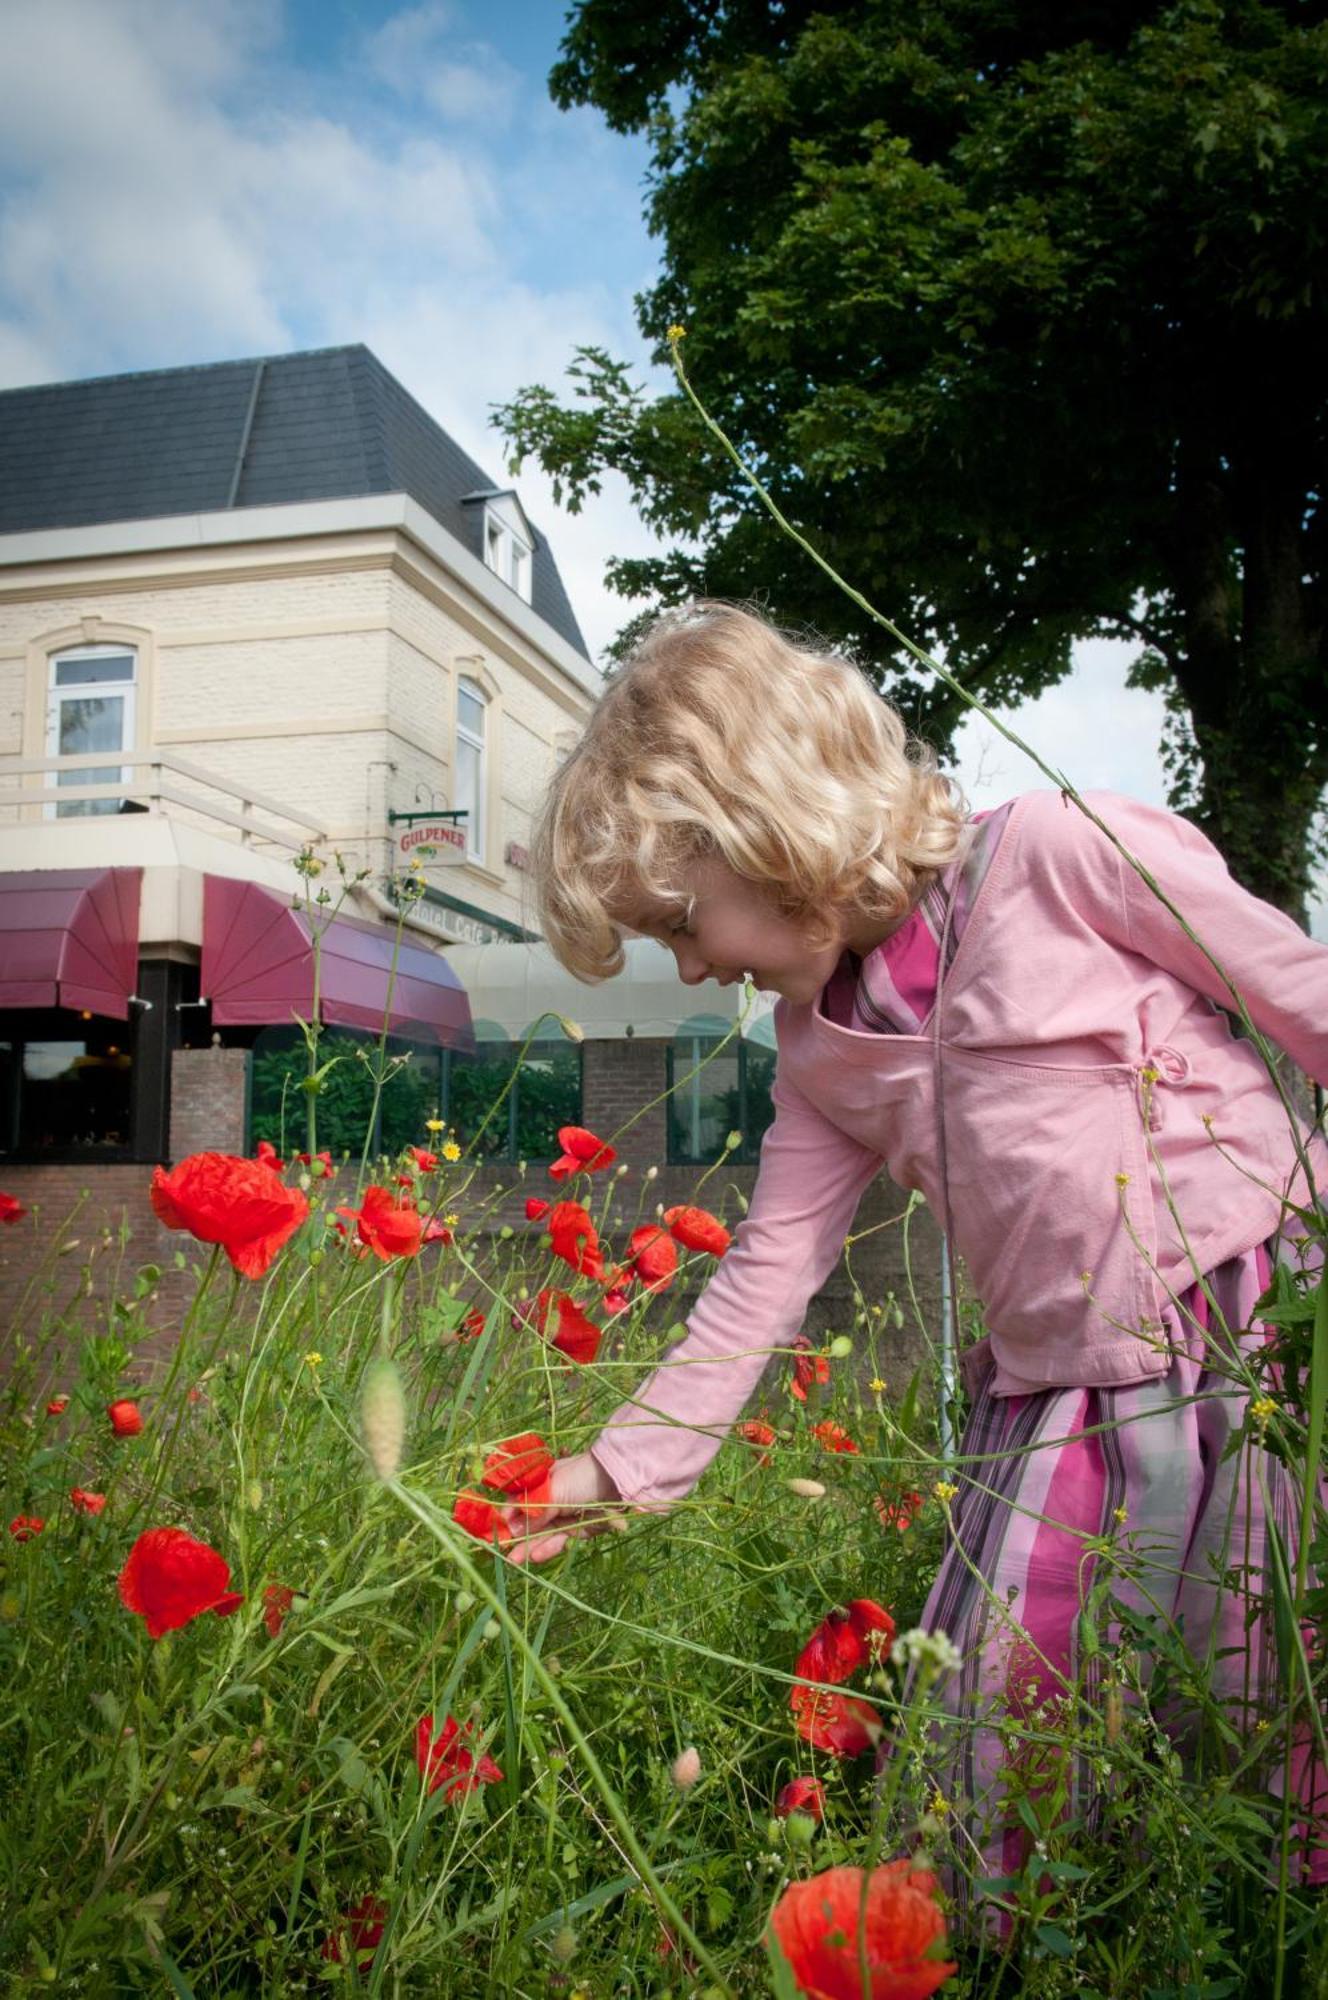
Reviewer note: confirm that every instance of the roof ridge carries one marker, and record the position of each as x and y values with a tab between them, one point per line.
190	368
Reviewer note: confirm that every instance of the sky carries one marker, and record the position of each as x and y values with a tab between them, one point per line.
201	180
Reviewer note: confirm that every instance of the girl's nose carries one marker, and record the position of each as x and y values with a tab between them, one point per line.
692	968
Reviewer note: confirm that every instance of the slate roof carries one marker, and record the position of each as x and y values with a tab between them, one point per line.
326	424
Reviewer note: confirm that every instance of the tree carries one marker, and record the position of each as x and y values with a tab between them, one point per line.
1018	306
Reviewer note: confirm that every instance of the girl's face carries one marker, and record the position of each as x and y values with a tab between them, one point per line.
733	930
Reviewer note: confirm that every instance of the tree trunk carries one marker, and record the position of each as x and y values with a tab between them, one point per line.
1249	673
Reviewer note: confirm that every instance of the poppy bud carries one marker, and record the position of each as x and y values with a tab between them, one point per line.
383	1416
806	1489
562	1945
571	1029
841	1346
799	1829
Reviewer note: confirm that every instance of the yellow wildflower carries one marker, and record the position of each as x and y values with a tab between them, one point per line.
1122	1180
877	1386
434	1125
944	1490
451	1151
1121	1515
451	1221
1262	1408
677	333
938	1804
313	1359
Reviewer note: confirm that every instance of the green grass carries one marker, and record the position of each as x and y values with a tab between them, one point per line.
196	1815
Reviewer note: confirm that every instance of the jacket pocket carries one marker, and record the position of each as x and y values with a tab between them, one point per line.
1052	1210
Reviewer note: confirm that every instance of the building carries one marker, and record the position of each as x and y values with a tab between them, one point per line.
268	636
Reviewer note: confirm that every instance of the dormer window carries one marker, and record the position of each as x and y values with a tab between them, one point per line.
509	548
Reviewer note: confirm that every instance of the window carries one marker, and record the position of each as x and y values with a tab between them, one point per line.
90	707
469	1092
66	1087
717	1087
507	552
469	789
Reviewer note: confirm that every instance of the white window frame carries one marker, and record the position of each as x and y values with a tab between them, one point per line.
475	819
56	696
507	552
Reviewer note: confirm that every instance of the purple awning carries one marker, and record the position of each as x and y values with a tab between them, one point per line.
258	970
69	938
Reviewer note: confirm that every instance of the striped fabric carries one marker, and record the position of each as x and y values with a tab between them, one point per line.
1045	1476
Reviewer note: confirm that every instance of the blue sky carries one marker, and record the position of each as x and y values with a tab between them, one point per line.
195	180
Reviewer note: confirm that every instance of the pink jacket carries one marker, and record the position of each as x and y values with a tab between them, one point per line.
1089	1089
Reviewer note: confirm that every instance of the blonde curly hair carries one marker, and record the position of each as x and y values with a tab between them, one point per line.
724	736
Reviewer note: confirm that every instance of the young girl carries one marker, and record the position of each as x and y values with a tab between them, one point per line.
998	1012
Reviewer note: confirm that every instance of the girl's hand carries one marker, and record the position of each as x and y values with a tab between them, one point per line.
584	1501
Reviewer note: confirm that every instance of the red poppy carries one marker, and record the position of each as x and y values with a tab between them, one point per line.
425	1161
616	1301
24	1526
900	1513
277	1601
10	1208
536	1210
241	1204
577	1337
266	1152
388	1227
755	1432
85	1502
807	1369
575	1239
481	1518
436	1231
472	1326
861	1633
698	1229
582	1153
839	1724
365	1924
816	1923
833	1436
805	1795
447	1760
126	1418
518	1464
654	1257
170	1578
57	1406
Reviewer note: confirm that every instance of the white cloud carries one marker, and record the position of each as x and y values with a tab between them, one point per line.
421	54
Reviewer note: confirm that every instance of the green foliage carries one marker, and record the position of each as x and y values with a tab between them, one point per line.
1020	315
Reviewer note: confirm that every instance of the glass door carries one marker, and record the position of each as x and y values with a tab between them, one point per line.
91	708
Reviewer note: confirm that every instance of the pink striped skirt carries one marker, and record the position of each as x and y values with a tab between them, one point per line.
1022	1591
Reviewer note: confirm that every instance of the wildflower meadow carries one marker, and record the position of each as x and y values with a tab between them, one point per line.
279	1716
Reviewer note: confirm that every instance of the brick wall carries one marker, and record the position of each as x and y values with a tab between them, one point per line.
88	1230
617	1078
207	1101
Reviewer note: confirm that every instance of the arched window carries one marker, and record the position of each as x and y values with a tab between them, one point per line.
717	1087
471	777
90	707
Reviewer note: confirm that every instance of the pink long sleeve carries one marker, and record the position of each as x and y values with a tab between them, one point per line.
811	1179
1282	974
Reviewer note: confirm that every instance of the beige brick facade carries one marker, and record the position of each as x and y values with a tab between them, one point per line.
321	671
